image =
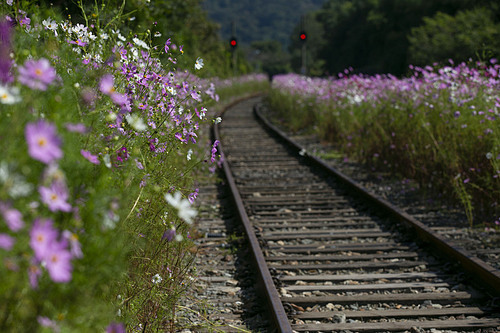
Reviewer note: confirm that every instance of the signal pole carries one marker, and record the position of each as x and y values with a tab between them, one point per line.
303	38
233	47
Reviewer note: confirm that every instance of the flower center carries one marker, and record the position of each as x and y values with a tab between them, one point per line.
38	71
39	238
54	258
53	197
42	142
4	96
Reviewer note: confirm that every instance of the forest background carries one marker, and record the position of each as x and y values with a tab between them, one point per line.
371	36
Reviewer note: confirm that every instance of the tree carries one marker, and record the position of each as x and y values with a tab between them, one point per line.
468	34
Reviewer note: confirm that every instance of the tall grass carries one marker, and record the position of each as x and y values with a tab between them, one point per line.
440	126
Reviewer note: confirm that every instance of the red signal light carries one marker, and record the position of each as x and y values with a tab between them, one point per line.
303	36
233	42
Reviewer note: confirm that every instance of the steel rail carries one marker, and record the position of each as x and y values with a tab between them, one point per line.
476	267
279	316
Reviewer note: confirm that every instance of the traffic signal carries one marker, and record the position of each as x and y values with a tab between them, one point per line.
302	36
233	42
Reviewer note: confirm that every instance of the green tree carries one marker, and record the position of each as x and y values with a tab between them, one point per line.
468	34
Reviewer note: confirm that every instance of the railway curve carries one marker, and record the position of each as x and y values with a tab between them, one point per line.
331	257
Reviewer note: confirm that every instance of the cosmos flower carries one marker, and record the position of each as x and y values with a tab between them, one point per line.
74	244
42	234
50	251
37	74
198	64
9	95
58	262
169	234
43	143
6	242
12	217
91	158
157	279
49	24
115	328
136	122
55	197
184	210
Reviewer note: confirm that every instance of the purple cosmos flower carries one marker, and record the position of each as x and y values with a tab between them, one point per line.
6	242
192	196
169	235
42	234
74	244
12	217
5	49
37	74
34	272
78	42
43	142
77	128
214	150
25	21
167	45
55	197
122	154
106	85
46	322
58	262
91	158
115	328
138	164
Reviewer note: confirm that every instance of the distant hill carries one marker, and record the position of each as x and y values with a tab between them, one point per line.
259	19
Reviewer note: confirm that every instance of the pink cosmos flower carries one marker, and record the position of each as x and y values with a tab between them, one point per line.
91	158
169	235
55	197
42	234
46	322
43	142
167	45
74	244
34	272
115	328
48	250
37	74
77	128
12	217
214	150
6	242
58	262
106	86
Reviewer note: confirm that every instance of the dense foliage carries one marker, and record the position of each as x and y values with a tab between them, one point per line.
440	126
385	36
99	139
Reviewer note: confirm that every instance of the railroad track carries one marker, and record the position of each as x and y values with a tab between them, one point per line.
331	259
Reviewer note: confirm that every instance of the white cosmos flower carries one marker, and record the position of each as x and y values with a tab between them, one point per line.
198	64
136	122
156	279
9	95
172	91
50	25
140	43
183	206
